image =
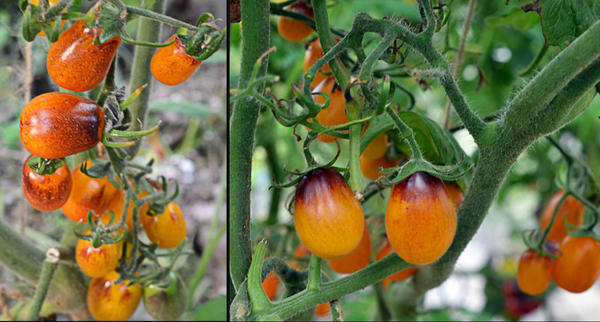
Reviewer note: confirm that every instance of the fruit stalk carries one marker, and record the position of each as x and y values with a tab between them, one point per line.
48	269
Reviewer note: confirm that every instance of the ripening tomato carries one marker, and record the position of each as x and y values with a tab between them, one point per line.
571	208
167	229
56	125
166	303
88	194
97	262
322	309
355	260
534	273
292	29
46	192
313	53
401	275
370	167
270	285
376	148
455	194
420	219
328	218
108	301
75	63
578	267
335	113
170	65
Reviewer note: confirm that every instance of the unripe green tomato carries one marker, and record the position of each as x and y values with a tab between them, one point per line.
166	304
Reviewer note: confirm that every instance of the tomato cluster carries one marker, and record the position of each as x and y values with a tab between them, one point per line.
578	264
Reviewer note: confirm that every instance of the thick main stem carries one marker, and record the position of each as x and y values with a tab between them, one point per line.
255	41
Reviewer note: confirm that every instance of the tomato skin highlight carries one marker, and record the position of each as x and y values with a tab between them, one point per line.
75	63
170	65
384	250
107	301
97	262
335	113
534	273
270	285
46	192
88	194
571	207
420	219
579	266
329	220
292	29
167	229
55	125
357	259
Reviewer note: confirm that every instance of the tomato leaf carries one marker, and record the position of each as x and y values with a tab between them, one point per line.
563	20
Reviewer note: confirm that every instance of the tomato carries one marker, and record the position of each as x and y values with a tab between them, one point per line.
97	262
370	167
328	218
420	219
108	301
295	30
313	53
455	194
46	192
534	273
401	275
299	252
167	229
75	63
355	260
170	65
323	309
335	113
578	267
376	148
166	304
88	194
56	125
571	208
270	285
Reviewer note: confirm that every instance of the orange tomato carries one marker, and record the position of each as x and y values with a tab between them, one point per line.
578	267
56	125
313	53
571	208
323	309
88	194
376	148
299	252
75	63
401	275
328	218
46	192
534	272
455	194
170	65
270	285
167	229
97	262
335	113
370	167
355	260
295	30
108	301
420	219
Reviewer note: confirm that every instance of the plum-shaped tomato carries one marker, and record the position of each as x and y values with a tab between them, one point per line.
335	113
534	273
75	63
401	275
571	208
46	192
167	229
578	267
55	125
292	29
108	301
420	219
97	262
355	260
329	220
170	65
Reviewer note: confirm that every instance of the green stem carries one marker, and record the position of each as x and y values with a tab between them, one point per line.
255	41
156	15
109	83
534	64
258	297
314	274
148	30
48	269
547	230
356	180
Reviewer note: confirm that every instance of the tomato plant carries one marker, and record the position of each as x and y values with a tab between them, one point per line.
46	192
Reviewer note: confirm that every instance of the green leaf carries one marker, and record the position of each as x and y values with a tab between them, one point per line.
184	108
516	18
213	310
564	20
